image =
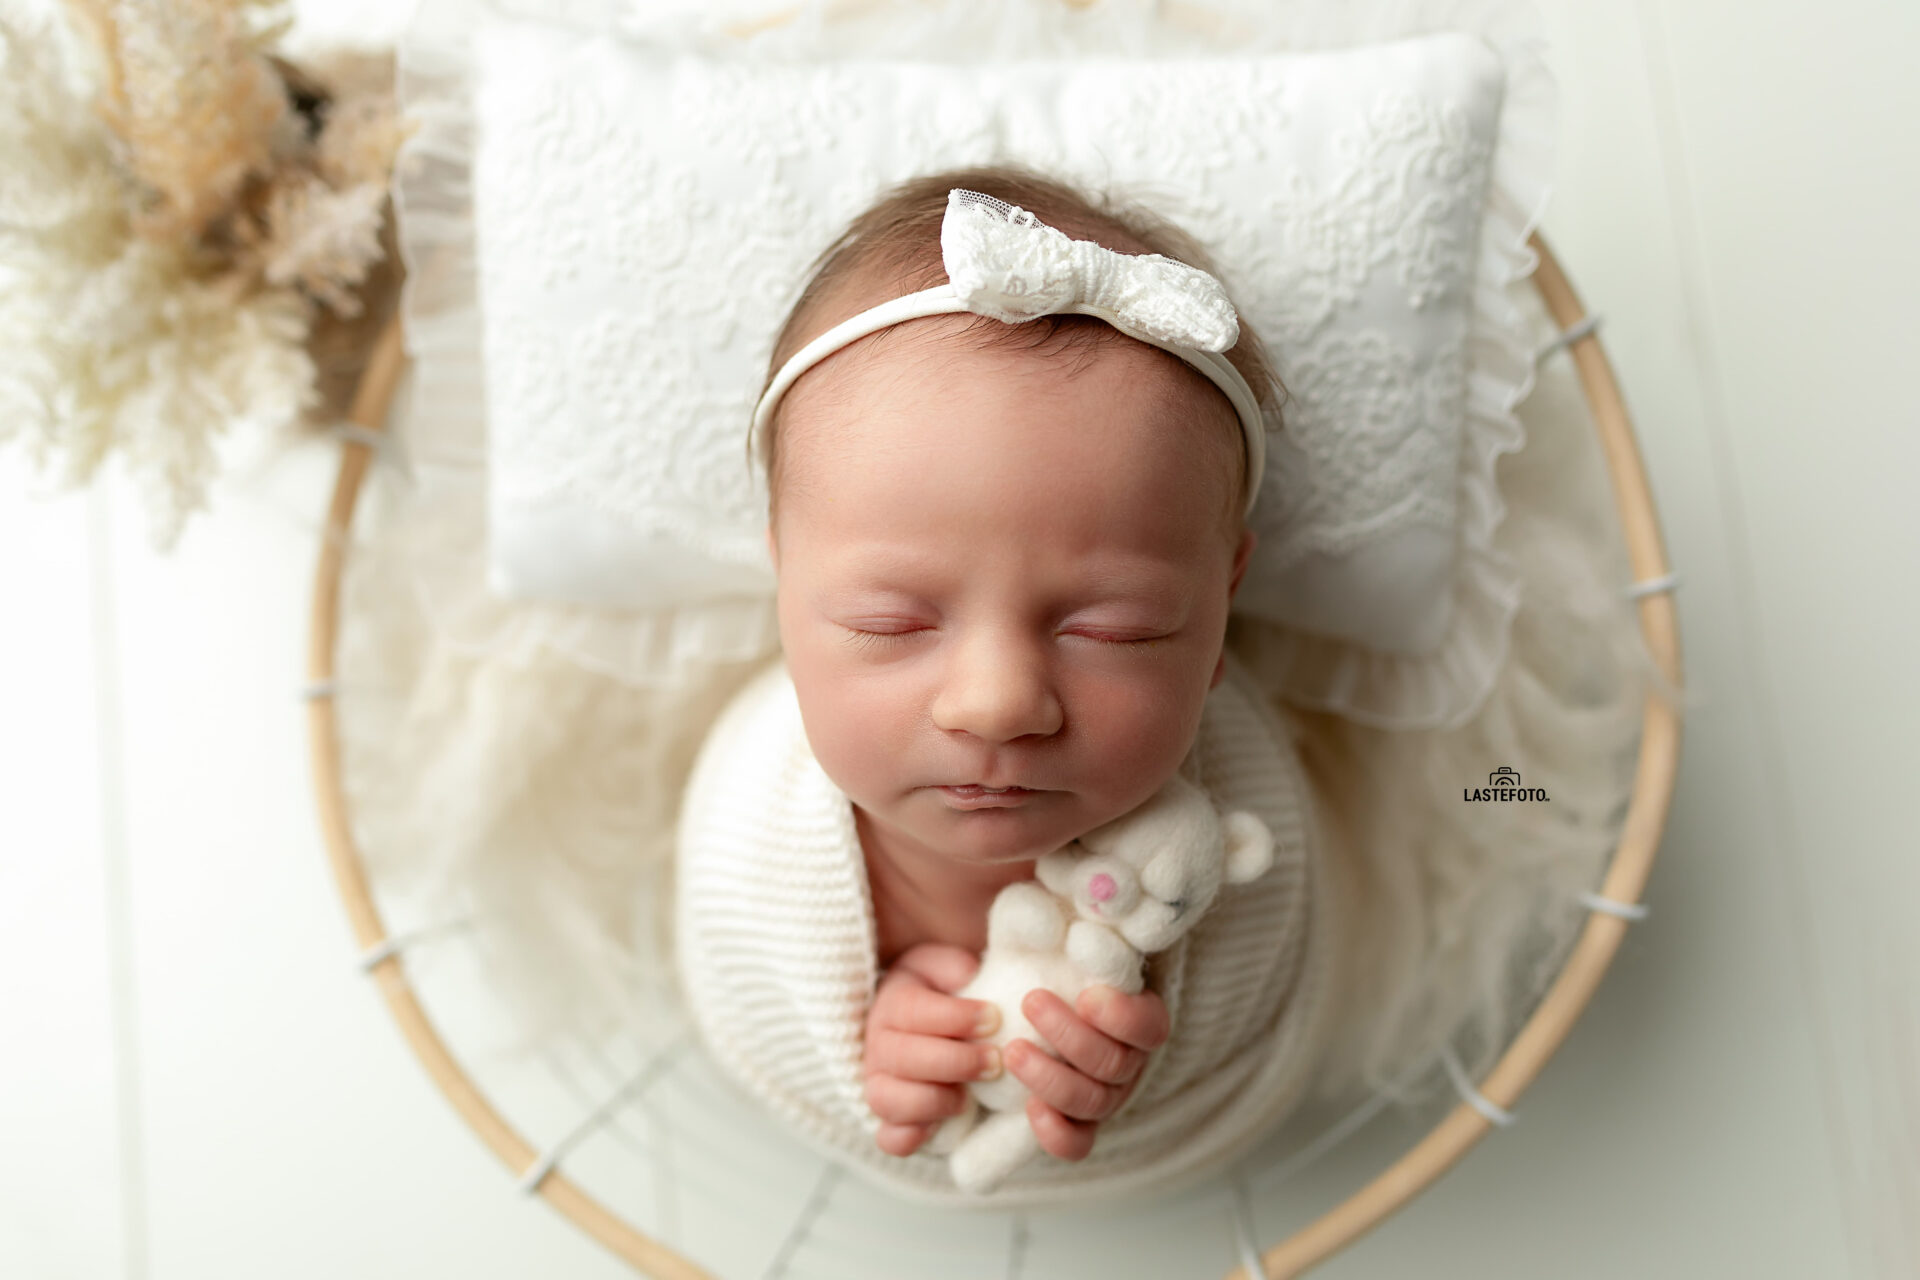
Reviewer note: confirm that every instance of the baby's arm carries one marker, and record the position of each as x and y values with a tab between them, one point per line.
919	1053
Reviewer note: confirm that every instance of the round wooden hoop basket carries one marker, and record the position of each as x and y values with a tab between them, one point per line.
1452	1138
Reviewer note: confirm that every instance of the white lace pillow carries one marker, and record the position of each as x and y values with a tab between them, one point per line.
646	196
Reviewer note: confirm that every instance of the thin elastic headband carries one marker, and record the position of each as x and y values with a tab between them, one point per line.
990	252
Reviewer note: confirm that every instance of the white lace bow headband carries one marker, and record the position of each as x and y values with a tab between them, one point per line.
1003	262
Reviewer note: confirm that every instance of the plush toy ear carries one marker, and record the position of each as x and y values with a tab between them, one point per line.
1055	870
1249	847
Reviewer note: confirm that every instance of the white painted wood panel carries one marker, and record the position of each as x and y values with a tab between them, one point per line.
289	1128
1801	174
64	1207
1681	1131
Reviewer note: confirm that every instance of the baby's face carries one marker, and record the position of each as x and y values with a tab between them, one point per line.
996	572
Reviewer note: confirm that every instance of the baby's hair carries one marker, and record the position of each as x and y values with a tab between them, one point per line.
894	248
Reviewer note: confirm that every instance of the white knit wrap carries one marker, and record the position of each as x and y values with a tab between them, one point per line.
776	942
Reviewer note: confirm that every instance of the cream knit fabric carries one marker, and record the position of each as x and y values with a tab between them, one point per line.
776	948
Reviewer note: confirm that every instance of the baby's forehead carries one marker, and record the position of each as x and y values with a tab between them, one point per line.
1059	358
1098	448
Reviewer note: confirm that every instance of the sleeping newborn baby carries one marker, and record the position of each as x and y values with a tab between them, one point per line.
1008	519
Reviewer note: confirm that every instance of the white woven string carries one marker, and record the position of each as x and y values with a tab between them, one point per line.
1613	906
797	1233
1568	337
1017	1247
381	443
1337	1132
643	1079
1243	1238
1486	1106
1648	586
357	434
392	946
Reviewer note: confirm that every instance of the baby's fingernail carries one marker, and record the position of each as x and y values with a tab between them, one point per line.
988	1020
990	1066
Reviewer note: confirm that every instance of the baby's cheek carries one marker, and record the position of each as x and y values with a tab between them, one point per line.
1140	729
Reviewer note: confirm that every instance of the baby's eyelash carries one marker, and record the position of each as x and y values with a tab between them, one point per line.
1142	640
870	639
859	639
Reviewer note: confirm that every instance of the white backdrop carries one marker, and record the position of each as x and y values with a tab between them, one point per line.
197	1083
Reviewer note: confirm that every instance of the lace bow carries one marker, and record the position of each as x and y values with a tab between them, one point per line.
1005	263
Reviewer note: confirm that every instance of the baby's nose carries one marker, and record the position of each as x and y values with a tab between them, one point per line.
998	691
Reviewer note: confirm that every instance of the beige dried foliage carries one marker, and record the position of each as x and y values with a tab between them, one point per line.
193	232
319	219
193	100
275	174
363	129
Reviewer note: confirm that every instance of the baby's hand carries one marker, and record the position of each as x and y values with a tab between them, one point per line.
919	1052
1103	1045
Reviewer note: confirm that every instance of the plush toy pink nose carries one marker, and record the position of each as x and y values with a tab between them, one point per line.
1101	887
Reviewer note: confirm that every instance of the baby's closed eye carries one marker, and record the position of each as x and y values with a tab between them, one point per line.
863	638
1110	638
869	637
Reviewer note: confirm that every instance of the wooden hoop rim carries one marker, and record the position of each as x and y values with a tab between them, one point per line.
1455	1135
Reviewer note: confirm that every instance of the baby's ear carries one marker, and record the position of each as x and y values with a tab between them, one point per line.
1055	870
1249	847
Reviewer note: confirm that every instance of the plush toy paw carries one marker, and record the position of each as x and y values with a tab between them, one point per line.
1000	1144
1249	847
1104	956
1025	917
953	1130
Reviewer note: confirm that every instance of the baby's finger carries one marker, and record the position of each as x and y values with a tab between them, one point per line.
931	1058
942	967
1059	1136
1081	1045
1060	1086
907	1006
910	1102
901	1139
1139	1020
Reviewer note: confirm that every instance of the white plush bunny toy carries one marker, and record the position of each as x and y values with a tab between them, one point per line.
1100	906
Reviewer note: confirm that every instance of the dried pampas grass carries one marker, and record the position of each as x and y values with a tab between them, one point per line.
194	232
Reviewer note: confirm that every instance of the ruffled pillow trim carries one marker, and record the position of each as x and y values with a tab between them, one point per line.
1444	688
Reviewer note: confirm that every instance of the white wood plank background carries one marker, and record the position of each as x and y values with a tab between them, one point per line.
197	1084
